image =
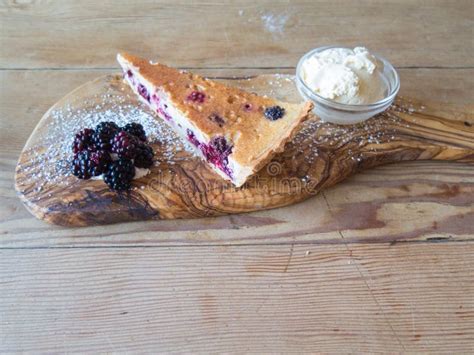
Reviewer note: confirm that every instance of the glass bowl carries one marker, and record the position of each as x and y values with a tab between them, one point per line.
335	112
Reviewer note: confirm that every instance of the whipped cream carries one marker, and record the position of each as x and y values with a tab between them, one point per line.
345	75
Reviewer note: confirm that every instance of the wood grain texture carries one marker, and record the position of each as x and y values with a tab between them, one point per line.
95	289
182	186
40	34
280	299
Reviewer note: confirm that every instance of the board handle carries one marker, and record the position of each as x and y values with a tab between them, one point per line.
437	133
407	131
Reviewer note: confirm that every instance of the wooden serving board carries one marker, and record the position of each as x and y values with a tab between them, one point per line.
180	185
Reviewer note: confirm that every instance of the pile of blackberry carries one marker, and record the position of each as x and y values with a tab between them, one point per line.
112	151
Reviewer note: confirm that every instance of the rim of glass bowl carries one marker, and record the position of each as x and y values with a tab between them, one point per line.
348	107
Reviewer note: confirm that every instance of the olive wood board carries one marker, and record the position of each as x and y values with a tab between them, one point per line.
181	185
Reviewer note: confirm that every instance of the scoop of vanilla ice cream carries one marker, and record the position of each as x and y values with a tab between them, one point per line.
345	75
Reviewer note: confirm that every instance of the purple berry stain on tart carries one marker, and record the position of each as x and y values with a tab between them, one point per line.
127	74
155	99
216	152
163	113
160	107
248	107
197	96
274	113
214	117
192	138
143	92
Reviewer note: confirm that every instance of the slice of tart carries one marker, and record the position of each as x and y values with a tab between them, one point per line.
235	131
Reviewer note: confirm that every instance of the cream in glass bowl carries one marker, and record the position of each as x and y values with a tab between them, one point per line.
346	85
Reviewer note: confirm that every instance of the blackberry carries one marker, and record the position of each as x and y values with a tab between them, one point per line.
274	113
220	145
135	129
197	96
87	164
125	145
100	161
144	156
83	141
120	174
81	165
104	132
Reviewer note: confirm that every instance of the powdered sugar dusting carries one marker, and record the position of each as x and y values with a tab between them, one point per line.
274	23
50	158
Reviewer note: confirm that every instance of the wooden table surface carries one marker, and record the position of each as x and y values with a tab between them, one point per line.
383	262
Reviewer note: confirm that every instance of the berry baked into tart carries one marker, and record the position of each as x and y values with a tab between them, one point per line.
235	131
